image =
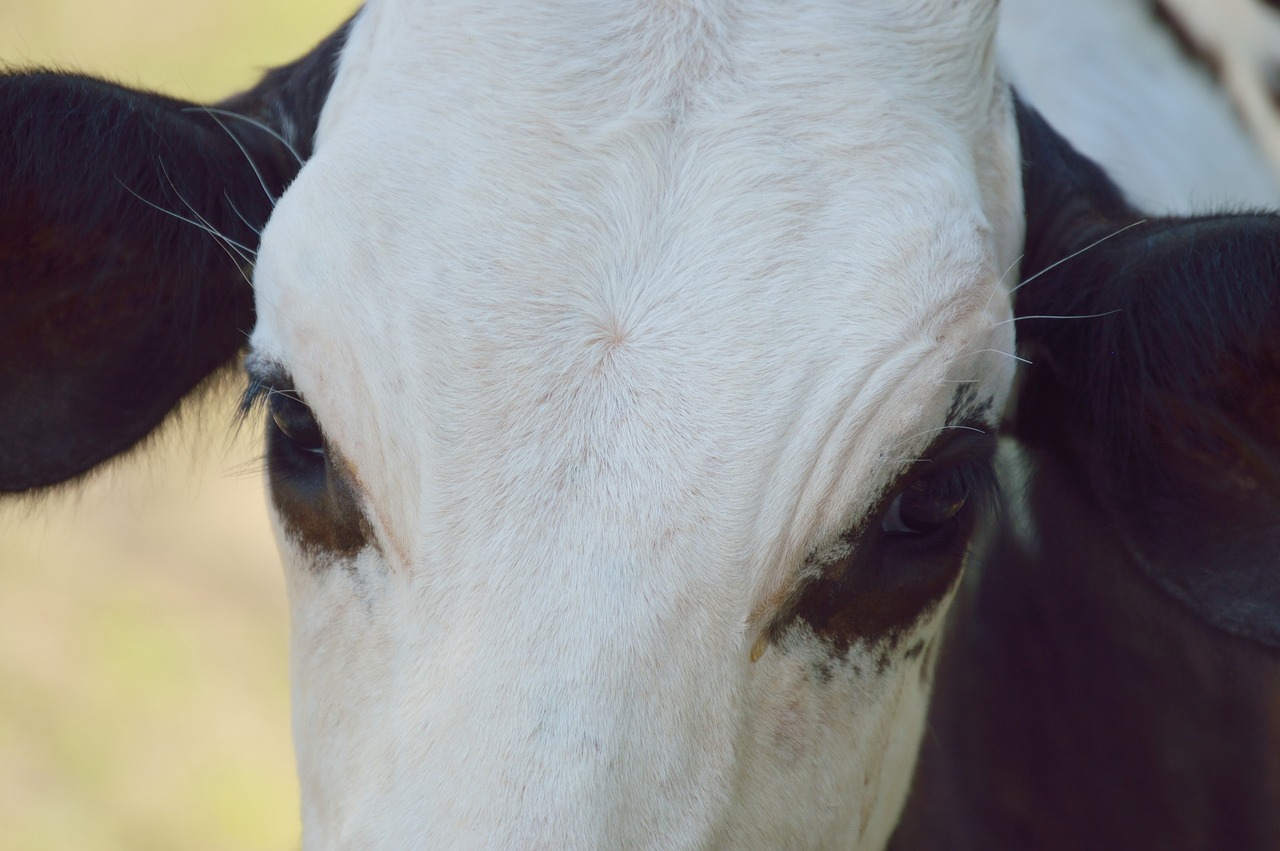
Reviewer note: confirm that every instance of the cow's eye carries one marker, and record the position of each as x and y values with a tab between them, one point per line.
928	503
294	420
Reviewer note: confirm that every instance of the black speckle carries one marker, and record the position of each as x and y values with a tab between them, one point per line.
966	408
882	661
822	672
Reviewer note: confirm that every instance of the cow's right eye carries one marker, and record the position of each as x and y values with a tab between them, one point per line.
927	504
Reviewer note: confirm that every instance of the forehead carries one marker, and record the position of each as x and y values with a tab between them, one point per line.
637	235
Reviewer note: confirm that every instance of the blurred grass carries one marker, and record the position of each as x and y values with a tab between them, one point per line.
143	681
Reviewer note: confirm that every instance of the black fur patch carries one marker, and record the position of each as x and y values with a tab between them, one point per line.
1166	398
115	298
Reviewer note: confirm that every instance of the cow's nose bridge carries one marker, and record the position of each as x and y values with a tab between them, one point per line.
576	739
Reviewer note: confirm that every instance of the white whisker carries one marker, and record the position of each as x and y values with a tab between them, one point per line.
914	437
1049	316
218	238
996	288
942	428
266	128
897	462
257	173
247	254
240	216
1012	266
992	351
1075	254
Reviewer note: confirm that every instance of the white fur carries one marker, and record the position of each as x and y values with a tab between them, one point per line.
618	311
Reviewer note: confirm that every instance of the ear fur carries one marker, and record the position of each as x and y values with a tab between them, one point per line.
1165	392
128	226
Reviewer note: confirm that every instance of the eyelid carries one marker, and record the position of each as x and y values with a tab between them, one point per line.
961	442
967	448
265	378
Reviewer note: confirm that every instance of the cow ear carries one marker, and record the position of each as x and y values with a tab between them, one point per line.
1156	376
129	223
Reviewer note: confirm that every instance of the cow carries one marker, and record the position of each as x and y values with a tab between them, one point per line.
629	390
630	376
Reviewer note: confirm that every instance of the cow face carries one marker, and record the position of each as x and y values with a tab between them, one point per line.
629	376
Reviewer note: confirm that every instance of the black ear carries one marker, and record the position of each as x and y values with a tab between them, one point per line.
128	226
1165	392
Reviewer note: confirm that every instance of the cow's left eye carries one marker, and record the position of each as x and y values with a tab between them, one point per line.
928	503
294	420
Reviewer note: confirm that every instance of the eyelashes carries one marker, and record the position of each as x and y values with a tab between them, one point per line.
295	441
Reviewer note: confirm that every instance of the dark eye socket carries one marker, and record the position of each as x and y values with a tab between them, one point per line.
929	503
294	420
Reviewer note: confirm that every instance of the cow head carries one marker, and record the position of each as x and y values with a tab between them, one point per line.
629	374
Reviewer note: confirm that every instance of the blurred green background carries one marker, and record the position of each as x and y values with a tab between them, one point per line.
143	635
